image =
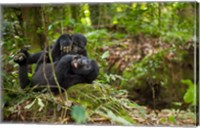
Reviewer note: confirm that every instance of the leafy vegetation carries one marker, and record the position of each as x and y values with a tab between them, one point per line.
190	95
145	52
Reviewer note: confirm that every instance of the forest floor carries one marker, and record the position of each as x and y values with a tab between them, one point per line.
168	117
141	116
151	117
134	49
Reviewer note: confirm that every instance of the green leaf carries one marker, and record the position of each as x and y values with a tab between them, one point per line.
118	118
113	117
105	55
190	95
79	114
50	27
40	103
30	105
171	119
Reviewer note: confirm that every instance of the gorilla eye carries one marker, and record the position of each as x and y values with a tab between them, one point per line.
75	43
87	66
76	57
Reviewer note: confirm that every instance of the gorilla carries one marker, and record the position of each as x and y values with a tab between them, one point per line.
69	70
65	44
72	66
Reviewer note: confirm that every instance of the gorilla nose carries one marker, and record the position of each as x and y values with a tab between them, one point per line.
83	62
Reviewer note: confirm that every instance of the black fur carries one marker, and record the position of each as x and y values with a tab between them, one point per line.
65	44
69	70
62	47
79	44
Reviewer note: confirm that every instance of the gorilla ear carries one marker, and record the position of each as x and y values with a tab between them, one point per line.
96	67
95	71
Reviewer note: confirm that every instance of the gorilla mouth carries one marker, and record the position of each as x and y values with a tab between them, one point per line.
74	63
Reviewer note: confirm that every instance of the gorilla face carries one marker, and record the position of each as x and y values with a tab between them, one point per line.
82	65
79	40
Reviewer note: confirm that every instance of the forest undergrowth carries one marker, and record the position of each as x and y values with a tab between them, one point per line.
105	101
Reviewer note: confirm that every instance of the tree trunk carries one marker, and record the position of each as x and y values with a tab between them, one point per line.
32	24
94	13
100	14
75	10
159	15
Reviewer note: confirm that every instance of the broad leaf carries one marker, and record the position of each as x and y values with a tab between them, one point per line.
30	105
105	55
78	113
40	103
190	95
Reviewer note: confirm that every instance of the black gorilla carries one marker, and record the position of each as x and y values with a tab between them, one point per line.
69	44
65	44
69	70
79	43
61	47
